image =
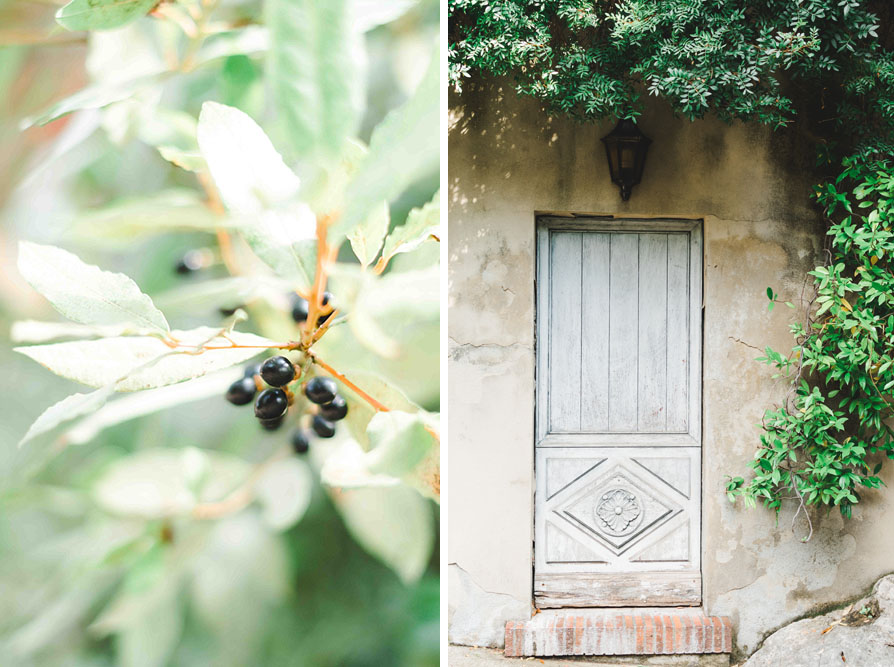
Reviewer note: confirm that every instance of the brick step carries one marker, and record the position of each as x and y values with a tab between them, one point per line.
614	632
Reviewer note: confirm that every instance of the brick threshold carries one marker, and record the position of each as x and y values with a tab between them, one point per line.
614	632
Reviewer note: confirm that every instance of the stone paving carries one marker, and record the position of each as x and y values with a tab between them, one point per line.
465	656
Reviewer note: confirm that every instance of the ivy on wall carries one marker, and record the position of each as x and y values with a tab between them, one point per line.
821	68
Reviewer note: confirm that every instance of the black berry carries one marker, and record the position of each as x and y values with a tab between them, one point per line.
277	371
335	410
273	424
300	442
323	427
299	308
190	262
327	297
242	391
321	390
252	370
271	403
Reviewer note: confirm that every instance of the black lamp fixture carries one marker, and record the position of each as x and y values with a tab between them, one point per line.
626	149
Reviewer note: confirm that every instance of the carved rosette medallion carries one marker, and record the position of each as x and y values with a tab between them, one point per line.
618	512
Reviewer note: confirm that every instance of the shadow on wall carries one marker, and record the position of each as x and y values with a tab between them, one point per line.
505	145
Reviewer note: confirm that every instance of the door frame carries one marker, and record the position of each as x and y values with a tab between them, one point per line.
545	224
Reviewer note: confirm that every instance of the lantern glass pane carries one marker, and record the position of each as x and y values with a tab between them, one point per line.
628	156
613	161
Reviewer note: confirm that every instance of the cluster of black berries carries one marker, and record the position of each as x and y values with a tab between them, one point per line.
272	403
301	306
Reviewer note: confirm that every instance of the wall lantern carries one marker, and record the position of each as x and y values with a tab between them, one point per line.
626	149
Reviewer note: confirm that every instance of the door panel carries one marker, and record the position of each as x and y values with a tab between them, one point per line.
613	509
623	318
618	459
619	332
594	346
565	338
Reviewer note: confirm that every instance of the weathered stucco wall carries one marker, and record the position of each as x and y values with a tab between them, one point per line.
509	160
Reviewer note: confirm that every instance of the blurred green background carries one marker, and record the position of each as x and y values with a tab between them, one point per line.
81	587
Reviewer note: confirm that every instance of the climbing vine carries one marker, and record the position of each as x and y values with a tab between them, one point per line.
829	437
823	69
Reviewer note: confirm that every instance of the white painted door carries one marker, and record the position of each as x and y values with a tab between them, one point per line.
618	450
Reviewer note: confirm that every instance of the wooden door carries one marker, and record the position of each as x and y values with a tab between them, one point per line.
618	444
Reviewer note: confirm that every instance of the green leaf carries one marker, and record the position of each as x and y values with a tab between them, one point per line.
387	309
421	224
169	210
248	172
102	14
152	639
242	42
96	96
426	476
276	237
311	68
185	159
327	191
146	615
34	331
85	293
346	467
256	184
405	452
131	363
222	293
156	483
392	523
72	407
159	126
244	569
360	413
403	148
284	492
770	293
369	14
133	405
399	441
101	94
366	238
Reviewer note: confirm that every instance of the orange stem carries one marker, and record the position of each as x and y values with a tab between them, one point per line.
224	241
241	497
325	256
353	387
225	244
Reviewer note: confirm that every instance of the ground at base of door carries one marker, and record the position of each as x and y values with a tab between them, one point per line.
466	656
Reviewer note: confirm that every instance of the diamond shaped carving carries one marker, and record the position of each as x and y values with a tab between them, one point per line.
618	508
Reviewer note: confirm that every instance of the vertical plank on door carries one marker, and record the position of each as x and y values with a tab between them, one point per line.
678	332
622	379
652	369
565	331
594	332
